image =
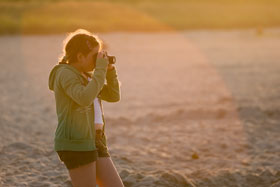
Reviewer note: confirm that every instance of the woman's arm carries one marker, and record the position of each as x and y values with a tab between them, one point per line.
83	95
111	91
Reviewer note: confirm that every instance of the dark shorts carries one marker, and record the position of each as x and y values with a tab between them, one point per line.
74	159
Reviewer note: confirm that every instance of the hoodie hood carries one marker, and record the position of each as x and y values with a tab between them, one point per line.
53	75
57	68
54	72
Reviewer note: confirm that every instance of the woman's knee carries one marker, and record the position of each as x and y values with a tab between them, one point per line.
84	176
107	174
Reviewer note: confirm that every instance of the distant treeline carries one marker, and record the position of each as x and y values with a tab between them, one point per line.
60	16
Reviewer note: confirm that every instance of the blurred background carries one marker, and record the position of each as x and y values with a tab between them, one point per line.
59	16
200	90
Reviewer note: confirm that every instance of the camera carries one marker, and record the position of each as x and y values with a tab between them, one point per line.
112	59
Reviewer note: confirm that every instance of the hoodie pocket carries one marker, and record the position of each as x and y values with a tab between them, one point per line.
79	125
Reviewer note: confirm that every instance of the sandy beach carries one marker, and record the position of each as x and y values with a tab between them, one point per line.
198	108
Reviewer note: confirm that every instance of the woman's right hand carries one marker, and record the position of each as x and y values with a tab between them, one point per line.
102	58
102	54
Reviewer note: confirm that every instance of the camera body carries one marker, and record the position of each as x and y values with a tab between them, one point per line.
112	59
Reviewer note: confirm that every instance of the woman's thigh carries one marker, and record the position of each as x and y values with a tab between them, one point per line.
106	173
84	176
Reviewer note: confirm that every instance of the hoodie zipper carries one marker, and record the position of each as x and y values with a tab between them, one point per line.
103	129
87	115
89	123
99	100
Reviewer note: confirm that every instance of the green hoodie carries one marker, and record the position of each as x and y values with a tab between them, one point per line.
74	97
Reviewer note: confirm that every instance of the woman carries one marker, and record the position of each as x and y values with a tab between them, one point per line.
80	139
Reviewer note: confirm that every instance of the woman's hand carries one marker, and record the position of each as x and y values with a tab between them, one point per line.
110	67
103	54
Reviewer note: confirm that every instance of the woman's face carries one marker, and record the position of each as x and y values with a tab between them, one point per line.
89	62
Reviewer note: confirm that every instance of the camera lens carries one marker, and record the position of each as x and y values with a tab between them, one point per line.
112	59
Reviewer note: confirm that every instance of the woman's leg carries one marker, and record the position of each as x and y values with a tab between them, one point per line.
106	173
84	176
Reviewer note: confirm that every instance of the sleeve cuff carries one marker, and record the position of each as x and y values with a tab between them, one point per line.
112	74
101	64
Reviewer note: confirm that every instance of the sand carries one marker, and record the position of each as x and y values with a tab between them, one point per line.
198	108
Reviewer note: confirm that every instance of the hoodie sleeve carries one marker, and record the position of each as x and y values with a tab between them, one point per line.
83	95
111	91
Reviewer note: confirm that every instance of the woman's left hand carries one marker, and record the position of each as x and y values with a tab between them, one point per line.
110	67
